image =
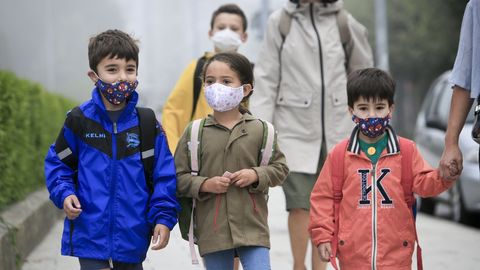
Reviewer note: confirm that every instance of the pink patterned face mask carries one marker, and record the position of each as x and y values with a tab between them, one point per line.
223	98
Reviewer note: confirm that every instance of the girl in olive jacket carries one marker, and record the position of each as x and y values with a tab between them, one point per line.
231	187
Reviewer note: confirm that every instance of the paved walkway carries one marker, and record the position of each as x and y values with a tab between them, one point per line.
445	245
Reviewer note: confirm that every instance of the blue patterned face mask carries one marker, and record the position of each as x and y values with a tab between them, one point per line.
118	92
372	127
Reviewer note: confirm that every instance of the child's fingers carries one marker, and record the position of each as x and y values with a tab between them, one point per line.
328	251
69	207
155	239
76	202
162	234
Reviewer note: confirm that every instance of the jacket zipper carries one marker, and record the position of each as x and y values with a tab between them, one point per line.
374	213
374	218
320	53
71	236
112	191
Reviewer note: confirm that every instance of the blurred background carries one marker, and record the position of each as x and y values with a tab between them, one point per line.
46	41
43	73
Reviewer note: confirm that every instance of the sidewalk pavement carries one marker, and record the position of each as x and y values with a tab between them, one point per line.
446	245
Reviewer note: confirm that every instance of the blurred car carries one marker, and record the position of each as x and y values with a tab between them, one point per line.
463	198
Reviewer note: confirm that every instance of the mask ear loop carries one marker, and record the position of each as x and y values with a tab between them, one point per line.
98	77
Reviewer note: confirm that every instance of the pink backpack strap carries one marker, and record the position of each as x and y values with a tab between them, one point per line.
406	148
338	177
269	142
193	147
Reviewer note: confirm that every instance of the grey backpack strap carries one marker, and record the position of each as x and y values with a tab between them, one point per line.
268	143
345	35
284	24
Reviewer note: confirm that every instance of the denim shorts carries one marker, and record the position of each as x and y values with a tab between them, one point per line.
93	264
251	257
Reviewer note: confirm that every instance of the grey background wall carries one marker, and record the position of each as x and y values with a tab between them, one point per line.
46	41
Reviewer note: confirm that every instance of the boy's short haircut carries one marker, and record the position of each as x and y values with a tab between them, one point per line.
111	43
232	9
370	83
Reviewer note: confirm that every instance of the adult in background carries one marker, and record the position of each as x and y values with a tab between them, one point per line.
466	86
301	74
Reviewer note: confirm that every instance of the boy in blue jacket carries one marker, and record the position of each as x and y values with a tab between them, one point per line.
94	170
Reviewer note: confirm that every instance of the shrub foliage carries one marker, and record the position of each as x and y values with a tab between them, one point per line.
30	119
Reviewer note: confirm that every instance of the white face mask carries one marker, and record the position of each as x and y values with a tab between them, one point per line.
226	40
223	98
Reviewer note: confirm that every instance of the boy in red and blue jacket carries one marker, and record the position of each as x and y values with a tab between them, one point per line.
94	171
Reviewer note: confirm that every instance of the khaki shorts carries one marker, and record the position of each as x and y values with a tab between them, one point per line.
298	186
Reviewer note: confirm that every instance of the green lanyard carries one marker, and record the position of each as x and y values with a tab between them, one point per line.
373	150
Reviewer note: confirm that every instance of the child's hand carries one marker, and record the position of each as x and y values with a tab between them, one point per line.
72	207
451	172
325	251
453	169
244	178
216	184
161	235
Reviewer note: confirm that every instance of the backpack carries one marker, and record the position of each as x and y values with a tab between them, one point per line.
147	130
185	216
197	82
343	29
338	158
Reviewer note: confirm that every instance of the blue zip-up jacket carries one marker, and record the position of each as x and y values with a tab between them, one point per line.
118	212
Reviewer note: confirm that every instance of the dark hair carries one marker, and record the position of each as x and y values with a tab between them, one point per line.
240	65
370	83
232	9
111	43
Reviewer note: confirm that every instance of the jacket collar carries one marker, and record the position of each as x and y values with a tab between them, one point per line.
393	146
130	106
320	9
210	120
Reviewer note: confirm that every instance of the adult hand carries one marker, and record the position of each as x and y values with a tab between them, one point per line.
451	162
244	178
161	235
216	184
325	251
72	207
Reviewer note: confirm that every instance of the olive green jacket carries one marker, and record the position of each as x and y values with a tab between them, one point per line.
239	216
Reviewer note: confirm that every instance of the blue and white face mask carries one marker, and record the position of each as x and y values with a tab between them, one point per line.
372	127
117	92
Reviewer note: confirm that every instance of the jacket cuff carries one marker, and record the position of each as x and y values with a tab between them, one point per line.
165	222
319	236
196	183
262	184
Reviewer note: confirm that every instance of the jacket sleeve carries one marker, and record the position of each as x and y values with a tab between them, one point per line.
426	180
272	175
267	72
178	107
360	52
321	224
188	185
59	177
163	206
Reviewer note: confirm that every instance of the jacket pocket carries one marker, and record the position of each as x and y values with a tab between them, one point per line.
339	99
289	96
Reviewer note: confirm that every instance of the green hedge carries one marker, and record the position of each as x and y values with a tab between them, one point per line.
30	119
